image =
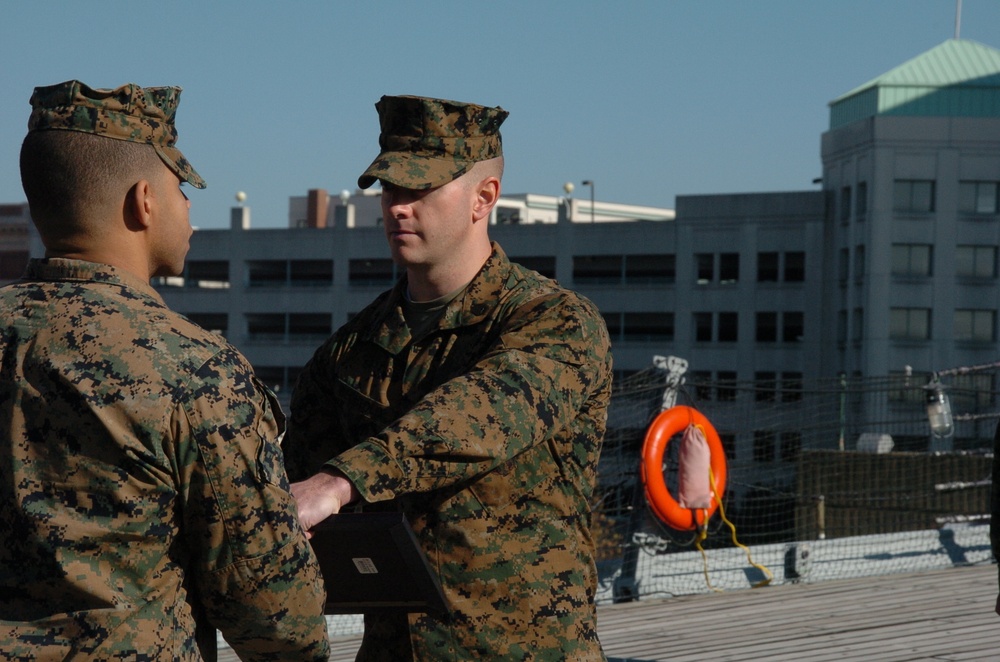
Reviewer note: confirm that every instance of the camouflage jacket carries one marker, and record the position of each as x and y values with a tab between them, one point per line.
143	493
486	432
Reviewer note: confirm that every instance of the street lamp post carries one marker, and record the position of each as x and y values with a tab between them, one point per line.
590	183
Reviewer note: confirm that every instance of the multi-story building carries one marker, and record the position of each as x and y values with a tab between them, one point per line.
889	267
15	241
911	165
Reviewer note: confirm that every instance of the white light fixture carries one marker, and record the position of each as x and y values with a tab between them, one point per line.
939	409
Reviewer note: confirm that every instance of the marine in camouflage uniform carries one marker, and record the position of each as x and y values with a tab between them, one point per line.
483	424
144	501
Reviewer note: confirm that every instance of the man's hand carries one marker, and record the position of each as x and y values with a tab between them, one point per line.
322	495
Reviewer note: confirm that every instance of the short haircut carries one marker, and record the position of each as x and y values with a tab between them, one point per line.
483	169
73	179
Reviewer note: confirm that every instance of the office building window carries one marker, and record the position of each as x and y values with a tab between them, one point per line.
974	390
765	384
267	273
12	264
310	273
907	388
845	203
729	268
210	274
792	326
859	263
861	201
372	272
767	327
282	327
650	269
911	260
913	195
508	216
728	440
704	268
857	333
975	325
910	323
791	386
728	327
640	327
976	261
614	323
266	326
795	267
844	265
767	267
645	327
763	446
726	386
701	380
214	322
309	326
790	445
702	327
978	197
597	269
294	273
543	264
841	326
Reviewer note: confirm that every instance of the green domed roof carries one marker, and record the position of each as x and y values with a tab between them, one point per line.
959	78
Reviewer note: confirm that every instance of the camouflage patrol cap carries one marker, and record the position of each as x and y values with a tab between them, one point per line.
129	112
427	142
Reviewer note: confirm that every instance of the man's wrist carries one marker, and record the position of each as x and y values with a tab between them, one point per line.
341	486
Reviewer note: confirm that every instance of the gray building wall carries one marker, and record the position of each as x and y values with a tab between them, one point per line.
876	153
743	225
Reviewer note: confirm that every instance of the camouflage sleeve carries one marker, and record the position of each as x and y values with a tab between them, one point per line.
311	418
551	359
255	574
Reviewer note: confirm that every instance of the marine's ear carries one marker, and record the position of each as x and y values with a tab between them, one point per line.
487	192
139	204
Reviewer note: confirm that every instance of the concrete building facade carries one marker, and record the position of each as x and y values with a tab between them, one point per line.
891	265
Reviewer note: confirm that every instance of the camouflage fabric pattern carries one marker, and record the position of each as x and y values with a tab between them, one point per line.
131	113
427	143
144	502
486	433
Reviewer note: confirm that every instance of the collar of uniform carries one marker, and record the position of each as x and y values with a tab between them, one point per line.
480	298
65	269
482	294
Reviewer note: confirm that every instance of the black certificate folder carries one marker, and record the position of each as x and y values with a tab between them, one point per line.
371	562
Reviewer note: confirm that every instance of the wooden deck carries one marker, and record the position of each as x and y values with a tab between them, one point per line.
932	615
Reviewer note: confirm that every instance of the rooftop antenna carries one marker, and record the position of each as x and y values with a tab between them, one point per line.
958	18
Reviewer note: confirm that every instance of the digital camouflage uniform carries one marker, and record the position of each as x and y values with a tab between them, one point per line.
486	434
143	502
143	489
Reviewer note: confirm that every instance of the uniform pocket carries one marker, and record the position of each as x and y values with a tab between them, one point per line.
270	428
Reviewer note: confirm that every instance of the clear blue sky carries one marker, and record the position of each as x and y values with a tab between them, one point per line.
649	99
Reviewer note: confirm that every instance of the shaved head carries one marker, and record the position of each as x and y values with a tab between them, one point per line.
74	181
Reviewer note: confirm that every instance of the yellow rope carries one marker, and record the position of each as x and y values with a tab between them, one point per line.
703	533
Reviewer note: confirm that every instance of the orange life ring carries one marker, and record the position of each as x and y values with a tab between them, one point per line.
664	506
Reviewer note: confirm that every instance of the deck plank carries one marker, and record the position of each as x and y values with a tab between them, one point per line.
943	615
